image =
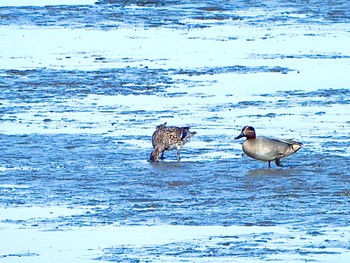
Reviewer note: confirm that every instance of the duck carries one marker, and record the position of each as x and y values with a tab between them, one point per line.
267	149
166	138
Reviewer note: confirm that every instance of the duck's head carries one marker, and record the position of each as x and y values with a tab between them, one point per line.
248	132
155	155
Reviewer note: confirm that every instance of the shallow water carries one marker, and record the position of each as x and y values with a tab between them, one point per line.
82	88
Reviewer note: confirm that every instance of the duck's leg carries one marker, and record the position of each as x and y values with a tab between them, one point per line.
269	165
178	155
278	162
162	156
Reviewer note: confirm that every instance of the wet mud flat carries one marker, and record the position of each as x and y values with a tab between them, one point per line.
82	88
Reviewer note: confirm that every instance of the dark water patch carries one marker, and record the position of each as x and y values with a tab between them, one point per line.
257	246
102	17
20	255
64	16
43	84
268	115
110	14
329	10
324	93
321	97
301	56
232	69
46	84
144	3
248	104
315	9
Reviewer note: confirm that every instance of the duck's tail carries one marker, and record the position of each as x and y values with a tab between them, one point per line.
161	126
295	146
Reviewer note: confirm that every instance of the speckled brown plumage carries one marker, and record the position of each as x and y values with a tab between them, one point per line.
167	138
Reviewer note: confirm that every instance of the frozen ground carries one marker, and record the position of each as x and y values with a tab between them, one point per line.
170	243
83	85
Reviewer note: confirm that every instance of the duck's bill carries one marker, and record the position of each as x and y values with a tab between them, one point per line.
239	136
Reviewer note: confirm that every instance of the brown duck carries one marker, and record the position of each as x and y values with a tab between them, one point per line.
167	138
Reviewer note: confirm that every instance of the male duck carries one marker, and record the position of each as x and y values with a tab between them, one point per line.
267	149
169	138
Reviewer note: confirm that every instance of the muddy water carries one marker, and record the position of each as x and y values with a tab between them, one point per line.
82	88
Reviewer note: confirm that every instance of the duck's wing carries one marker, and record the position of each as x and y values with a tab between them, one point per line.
183	133
288	147
289	141
159	134
294	145
172	131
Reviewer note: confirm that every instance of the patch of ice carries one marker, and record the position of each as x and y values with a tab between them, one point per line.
23	168
86	244
13	186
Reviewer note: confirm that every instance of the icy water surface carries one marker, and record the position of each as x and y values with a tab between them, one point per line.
83	85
